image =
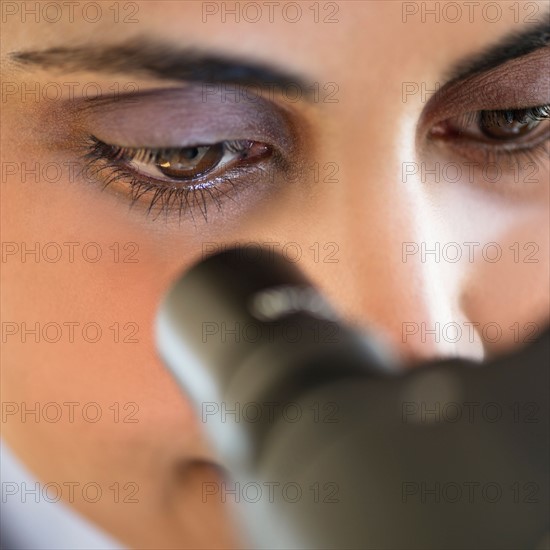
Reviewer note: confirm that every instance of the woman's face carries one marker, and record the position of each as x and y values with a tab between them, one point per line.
421	214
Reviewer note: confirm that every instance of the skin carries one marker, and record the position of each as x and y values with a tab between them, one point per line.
369	213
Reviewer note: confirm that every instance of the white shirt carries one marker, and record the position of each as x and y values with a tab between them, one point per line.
28	521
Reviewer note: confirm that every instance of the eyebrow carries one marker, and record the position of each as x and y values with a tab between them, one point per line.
164	61
512	46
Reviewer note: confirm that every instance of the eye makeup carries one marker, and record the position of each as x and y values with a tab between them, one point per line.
187	116
517	84
179	151
501	116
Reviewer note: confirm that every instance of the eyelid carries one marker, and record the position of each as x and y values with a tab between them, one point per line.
185	117
517	84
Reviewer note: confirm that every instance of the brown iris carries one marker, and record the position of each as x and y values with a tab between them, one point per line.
190	162
502	125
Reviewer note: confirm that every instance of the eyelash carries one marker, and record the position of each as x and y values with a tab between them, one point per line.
109	164
520	115
515	152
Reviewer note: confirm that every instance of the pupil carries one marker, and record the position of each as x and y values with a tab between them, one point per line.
190	153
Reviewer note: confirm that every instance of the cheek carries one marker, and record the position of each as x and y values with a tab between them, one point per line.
510	297
89	401
493	254
78	341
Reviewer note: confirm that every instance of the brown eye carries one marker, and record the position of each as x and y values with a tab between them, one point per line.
503	125
190	162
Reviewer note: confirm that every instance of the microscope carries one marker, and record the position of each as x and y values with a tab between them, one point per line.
331	444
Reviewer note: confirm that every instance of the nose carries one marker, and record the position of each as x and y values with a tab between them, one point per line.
381	282
384	278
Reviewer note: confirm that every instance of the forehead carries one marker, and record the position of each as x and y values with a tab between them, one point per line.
323	40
